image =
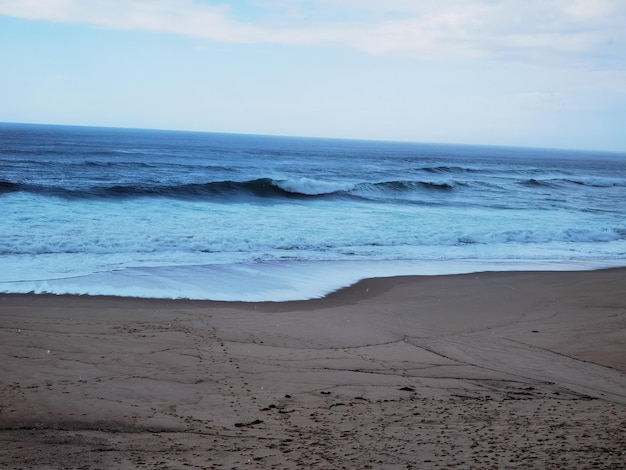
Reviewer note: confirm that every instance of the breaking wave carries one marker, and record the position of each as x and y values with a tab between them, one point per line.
260	188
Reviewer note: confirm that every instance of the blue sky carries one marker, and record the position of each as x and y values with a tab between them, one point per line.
548	73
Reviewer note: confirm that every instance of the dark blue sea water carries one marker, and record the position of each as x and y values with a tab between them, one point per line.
242	217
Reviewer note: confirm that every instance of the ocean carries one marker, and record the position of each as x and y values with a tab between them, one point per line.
168	214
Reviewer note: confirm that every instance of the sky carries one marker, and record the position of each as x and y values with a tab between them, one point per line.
539	73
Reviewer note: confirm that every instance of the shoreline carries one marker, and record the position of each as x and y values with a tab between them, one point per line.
271	281
495	369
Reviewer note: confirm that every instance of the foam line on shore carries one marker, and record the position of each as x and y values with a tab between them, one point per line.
267	281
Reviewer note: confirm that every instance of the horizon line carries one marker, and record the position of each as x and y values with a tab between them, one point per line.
318	137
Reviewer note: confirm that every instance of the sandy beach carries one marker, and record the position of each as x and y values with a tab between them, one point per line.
490	370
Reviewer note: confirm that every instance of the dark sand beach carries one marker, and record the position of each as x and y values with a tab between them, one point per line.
492	370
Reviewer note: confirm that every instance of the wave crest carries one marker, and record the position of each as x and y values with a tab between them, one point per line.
262	188
592	182
311	187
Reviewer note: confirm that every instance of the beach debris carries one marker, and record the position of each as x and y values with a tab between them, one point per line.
251	423
407	389
337	404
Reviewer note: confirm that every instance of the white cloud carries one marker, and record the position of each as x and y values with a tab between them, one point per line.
544	31
570	31
590	9
183	17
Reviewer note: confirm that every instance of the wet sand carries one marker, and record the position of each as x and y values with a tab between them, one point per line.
492	370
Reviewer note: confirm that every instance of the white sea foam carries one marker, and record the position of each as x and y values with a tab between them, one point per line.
312	187
269	281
